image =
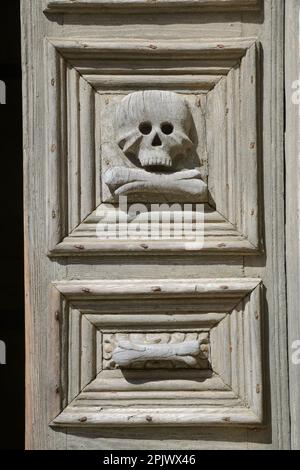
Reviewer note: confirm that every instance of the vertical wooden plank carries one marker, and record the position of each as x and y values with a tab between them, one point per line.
217	146
40	271
249	145
63	112
241	359
248	351
275	232
232	185
221	351
54	355
238	188
255	320
224	350
62	318
274	220
98	150
235	340
75	358
214	350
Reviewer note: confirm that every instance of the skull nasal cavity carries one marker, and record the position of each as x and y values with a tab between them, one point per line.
156	142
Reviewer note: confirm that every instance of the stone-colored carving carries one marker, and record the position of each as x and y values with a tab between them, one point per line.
156	350
154	130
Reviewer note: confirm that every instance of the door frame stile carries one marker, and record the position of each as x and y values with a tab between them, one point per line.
292	143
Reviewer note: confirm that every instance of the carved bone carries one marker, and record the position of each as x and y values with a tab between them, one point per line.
128	353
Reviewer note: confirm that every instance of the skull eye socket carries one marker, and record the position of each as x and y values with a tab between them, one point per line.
167	128
145	127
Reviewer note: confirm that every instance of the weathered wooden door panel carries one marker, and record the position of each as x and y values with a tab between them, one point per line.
154	224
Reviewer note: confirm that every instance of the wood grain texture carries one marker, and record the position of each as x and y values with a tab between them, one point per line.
293	209
275	220
94	6
117	308
157	288
42	333
75	49
233	156
191	347
38	413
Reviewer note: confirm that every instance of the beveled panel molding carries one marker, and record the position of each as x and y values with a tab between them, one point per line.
214	324
95	6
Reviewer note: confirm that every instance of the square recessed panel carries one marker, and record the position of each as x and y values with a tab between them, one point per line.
219	384
94	6
88	78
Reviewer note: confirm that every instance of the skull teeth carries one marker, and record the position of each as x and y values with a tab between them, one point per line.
156	160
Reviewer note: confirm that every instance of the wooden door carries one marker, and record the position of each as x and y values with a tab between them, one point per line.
154	224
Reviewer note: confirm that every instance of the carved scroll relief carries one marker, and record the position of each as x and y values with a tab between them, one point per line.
156	350
154	131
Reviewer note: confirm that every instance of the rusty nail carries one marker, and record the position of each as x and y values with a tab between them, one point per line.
156	289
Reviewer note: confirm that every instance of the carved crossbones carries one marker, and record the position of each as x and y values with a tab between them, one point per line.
128	353
124	181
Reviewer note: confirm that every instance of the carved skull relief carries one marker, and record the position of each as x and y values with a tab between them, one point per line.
154	126
153	129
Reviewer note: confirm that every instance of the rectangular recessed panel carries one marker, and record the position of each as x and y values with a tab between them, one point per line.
190	189
120	359
156	350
